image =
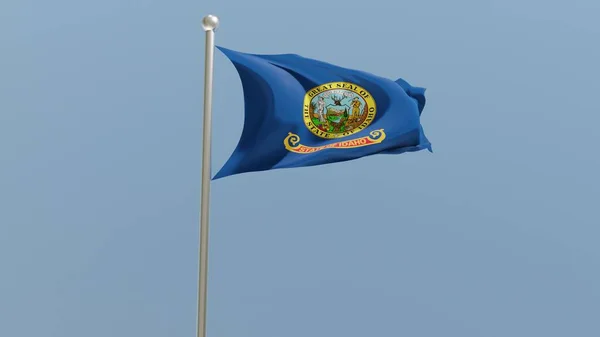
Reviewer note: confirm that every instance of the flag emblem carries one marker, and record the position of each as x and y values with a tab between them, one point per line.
338	109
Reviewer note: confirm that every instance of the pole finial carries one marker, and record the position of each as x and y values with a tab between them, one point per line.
210	22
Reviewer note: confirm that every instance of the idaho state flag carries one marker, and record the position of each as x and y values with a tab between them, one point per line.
303	112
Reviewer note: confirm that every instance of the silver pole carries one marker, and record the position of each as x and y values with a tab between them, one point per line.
209	23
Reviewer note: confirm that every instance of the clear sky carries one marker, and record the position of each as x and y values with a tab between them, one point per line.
495	234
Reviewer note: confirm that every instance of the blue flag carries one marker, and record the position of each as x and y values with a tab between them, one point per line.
304	112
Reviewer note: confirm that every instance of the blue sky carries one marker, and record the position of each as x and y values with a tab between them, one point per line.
494	234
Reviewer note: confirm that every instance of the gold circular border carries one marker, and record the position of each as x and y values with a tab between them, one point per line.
334	86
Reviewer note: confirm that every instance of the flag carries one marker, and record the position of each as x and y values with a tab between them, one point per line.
303	112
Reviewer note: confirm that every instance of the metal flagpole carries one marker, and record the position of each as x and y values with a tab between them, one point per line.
209	23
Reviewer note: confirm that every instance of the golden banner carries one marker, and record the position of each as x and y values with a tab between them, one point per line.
291	143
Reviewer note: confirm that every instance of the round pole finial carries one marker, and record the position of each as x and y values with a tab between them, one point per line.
210	22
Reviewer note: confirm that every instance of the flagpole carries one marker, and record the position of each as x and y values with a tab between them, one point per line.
209	24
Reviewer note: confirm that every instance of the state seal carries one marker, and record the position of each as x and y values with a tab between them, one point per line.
338	109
